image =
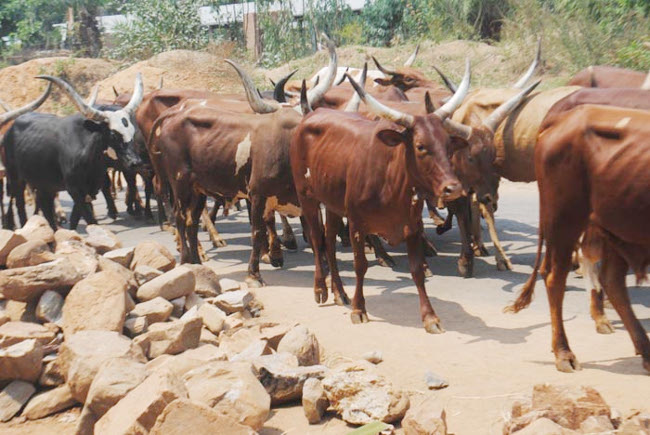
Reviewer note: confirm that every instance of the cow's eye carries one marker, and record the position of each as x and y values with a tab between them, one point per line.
420	148
125	122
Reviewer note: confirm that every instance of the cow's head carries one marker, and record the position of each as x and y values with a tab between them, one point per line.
426	139
119	122
404	77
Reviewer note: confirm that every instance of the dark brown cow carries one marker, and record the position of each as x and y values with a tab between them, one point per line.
592	168
602	76
375	173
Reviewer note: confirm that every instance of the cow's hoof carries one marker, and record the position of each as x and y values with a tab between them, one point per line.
359	316
481	251
427	272
345	241
432	324
320	295
290	244
218	242
386	262
504	264
112	215
265	258
604	327
341	298
277	262
646	365
567	362
465	268
253	282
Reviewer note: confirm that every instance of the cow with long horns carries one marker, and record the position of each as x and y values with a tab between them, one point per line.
375	173
52	154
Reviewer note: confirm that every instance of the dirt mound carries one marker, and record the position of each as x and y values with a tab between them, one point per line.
18	85
183	69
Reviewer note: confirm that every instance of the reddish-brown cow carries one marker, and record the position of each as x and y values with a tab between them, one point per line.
375	173
602	76
591	165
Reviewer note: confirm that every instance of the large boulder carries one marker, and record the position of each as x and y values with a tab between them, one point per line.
361	395
49	307
207	281
97	302
171	285
23	360
300	342
114	379
31	253
82	354
170	337
122	256
8	242
49	402
15	332
102	239
427	417
13	397
37	228
26	283
231	389
137	412
106	265
203	420
154	310
154	255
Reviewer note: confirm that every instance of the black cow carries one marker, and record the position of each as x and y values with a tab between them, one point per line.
52	154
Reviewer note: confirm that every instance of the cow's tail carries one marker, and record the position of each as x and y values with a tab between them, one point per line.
526	293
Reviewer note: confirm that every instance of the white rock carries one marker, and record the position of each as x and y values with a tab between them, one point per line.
13	397
102	239
300	342
122	256
213	318
228	285
233	301
374	357
171	285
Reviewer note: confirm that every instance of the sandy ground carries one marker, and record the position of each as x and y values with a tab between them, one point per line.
489	358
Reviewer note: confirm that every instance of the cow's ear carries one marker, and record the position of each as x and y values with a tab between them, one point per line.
383	82
391	138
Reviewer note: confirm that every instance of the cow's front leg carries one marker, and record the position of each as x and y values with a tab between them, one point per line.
288	237
503	262
256	214
110	202
275	249
477	234
415	251
358	241
45	201
466	260
332	224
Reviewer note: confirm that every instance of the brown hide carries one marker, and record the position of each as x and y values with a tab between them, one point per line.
601	76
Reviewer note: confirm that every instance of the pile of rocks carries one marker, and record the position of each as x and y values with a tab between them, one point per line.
566	410
145	345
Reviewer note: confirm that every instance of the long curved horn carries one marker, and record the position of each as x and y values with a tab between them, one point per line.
278	88
304	101
86	110
6	107
93	96
382	69
496	118
13	114
411	59
403	119
450	106
138	93
355	101
257	104
453	128
450	85
531	69
646	82
315	94
342	79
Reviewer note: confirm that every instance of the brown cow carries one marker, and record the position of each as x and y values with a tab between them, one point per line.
601	76
591	164
375	173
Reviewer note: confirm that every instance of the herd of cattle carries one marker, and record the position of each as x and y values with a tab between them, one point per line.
312	145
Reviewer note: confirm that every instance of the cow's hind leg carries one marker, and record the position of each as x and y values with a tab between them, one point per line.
192	227
288	237
503	262
357	239
275	248
19	194
148	191
332	225
215	237
314	226
383	258
613	271
466	261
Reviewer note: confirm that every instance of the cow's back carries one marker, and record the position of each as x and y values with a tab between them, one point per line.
603	76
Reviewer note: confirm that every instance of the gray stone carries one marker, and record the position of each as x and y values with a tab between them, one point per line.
122	256
434	381
134	326
30	253
193	300
314	400
49	402
13	397
213	318
49	307
179	307
171	285
102	239
284	383
300	342
155	310
233	301
23	360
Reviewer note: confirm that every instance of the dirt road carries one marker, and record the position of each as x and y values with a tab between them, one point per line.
489	358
